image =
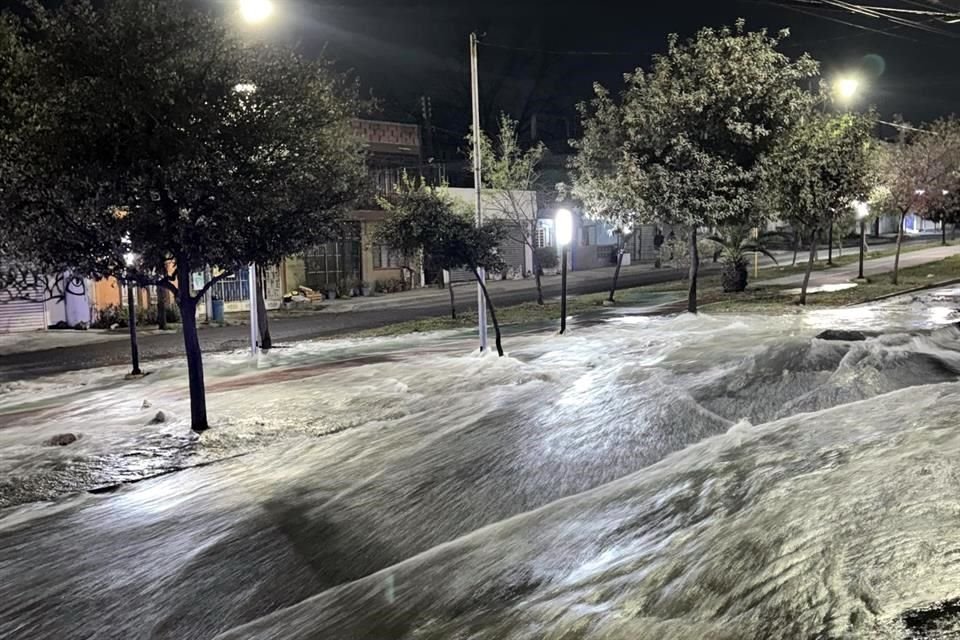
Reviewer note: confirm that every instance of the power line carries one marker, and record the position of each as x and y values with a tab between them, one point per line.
888	32
876	14
555	52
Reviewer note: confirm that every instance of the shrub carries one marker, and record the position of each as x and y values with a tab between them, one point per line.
390	285
546	257
116	315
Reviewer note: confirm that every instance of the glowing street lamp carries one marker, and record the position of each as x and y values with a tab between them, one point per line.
847	88
256	11
564	222
862	212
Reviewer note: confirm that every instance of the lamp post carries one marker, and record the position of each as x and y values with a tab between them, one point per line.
863	212
131	259
564	222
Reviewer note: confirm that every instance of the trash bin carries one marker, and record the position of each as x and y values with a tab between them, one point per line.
217	310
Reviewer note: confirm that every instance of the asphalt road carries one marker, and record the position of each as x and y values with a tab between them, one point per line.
285	330
21	366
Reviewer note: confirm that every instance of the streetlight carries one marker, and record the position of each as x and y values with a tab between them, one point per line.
564	222
863	212
131	259
256	11
846	88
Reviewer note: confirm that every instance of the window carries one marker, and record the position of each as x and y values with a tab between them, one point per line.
588	236
542	239
385	258
605	252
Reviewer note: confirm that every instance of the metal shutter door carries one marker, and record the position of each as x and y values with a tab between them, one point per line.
23	315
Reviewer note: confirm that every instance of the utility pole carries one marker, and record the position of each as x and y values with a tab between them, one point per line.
475	94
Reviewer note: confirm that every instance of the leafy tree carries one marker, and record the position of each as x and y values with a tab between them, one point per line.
508	172
148	121
916	170
597	169
424	220
944	208
417	216
819	168
694	129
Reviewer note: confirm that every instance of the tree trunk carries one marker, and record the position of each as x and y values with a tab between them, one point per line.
896	260
263	323
537	269
943	233
191	343
453	306
616	275
694	269
493	312
830	246
806	274
161	307
796	247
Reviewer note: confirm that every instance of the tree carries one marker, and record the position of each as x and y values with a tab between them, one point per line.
916	170
424	220
509	174
596	170
466	245
823	164
417	215
735	243
149	122
944	208
696	127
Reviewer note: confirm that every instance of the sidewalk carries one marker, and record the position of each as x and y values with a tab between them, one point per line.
23	341
871	267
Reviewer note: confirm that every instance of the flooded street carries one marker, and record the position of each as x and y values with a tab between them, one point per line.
705	476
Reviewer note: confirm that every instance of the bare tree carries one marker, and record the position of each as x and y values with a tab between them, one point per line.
510	174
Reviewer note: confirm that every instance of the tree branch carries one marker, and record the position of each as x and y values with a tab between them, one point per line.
214	280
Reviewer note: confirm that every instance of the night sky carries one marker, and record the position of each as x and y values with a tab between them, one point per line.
406	48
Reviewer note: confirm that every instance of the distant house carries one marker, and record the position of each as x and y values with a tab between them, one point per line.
393	148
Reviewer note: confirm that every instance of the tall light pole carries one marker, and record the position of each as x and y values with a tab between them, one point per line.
131	259
564	221
846	88
477	184
254	320
862	212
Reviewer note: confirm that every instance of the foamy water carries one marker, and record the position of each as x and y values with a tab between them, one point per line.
679	477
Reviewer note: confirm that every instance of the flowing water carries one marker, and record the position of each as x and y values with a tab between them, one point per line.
668	477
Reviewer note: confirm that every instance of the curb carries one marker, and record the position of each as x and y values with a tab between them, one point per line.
926	287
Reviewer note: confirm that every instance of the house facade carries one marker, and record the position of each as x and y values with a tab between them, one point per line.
393	149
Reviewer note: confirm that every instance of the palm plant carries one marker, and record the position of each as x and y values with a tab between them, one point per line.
735	244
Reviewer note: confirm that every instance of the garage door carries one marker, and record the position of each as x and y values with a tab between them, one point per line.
17	314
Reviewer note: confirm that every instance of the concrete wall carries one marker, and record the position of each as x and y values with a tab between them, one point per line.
371	273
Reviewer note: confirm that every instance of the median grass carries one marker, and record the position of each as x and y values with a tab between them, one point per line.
712	299
776	300
528	313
